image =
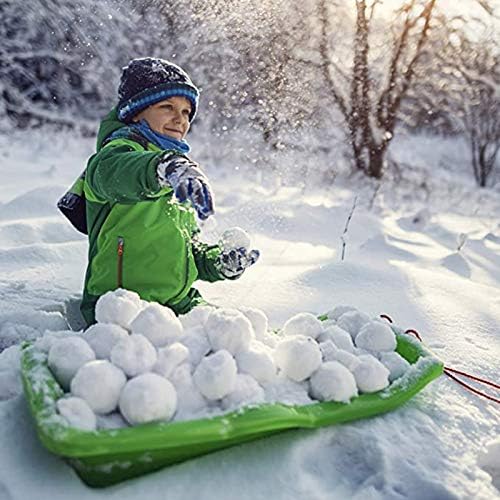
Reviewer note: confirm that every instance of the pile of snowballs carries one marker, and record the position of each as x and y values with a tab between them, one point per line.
140	363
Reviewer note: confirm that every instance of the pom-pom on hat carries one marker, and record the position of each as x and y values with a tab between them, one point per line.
149	80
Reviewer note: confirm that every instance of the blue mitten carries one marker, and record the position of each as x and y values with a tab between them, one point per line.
232	263
187	181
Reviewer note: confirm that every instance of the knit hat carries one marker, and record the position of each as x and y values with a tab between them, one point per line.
149	80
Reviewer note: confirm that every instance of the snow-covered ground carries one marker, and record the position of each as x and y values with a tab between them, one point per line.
401	258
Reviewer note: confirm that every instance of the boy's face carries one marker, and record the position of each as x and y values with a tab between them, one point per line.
169	117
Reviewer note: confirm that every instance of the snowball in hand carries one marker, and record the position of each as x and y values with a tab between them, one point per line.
256	362
215	376
396	364
134	355
148	398
229	329
66	356
376	336
303	324
352	321
339	337
158	324
332	381
246	391
118	306
298	357
169	358
77	412
99	383
102	337
258	319
370	374
234	237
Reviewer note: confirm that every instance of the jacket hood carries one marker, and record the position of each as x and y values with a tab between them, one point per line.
109	124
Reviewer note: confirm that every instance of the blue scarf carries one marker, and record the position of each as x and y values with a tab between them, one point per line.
160	140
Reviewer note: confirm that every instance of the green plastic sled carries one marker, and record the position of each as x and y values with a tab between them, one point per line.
105	457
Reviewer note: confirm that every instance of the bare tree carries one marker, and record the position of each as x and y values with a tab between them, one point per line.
371	104
461	84
472	71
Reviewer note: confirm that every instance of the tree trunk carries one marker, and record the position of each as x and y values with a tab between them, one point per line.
377	161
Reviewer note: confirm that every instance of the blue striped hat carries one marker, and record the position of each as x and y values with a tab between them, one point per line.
149	80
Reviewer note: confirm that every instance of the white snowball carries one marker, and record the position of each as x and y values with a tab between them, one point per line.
258	319
148	398
327	323
376	336
270	339
77	412
197	317
102	337
234	237
196	340
158	324
328	350
66	356
229	329
134	355
305	324
298	357
99	383
370	374
349	360
352	321
118	306
339	337
285	391
246	392
190	401
169	358
332	381
396	364
111	421
44	343
256	362
215	376
338	311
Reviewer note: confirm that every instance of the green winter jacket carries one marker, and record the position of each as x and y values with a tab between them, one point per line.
140	237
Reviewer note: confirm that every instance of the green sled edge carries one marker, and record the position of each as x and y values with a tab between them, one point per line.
105	457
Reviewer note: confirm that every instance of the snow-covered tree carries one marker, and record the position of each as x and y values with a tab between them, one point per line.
60	61
472	70
459	87
370	90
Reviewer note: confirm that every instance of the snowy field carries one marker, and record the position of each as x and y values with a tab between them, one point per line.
426	252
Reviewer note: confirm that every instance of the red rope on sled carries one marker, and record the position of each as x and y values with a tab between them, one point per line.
448	371
469	387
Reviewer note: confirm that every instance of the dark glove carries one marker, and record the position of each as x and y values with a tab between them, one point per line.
187	181
232	263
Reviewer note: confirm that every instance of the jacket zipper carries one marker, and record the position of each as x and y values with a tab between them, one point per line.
120	262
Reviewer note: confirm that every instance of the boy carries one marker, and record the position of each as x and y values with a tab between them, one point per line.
142	192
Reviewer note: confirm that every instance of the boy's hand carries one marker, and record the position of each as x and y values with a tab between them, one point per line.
232	263
188	182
